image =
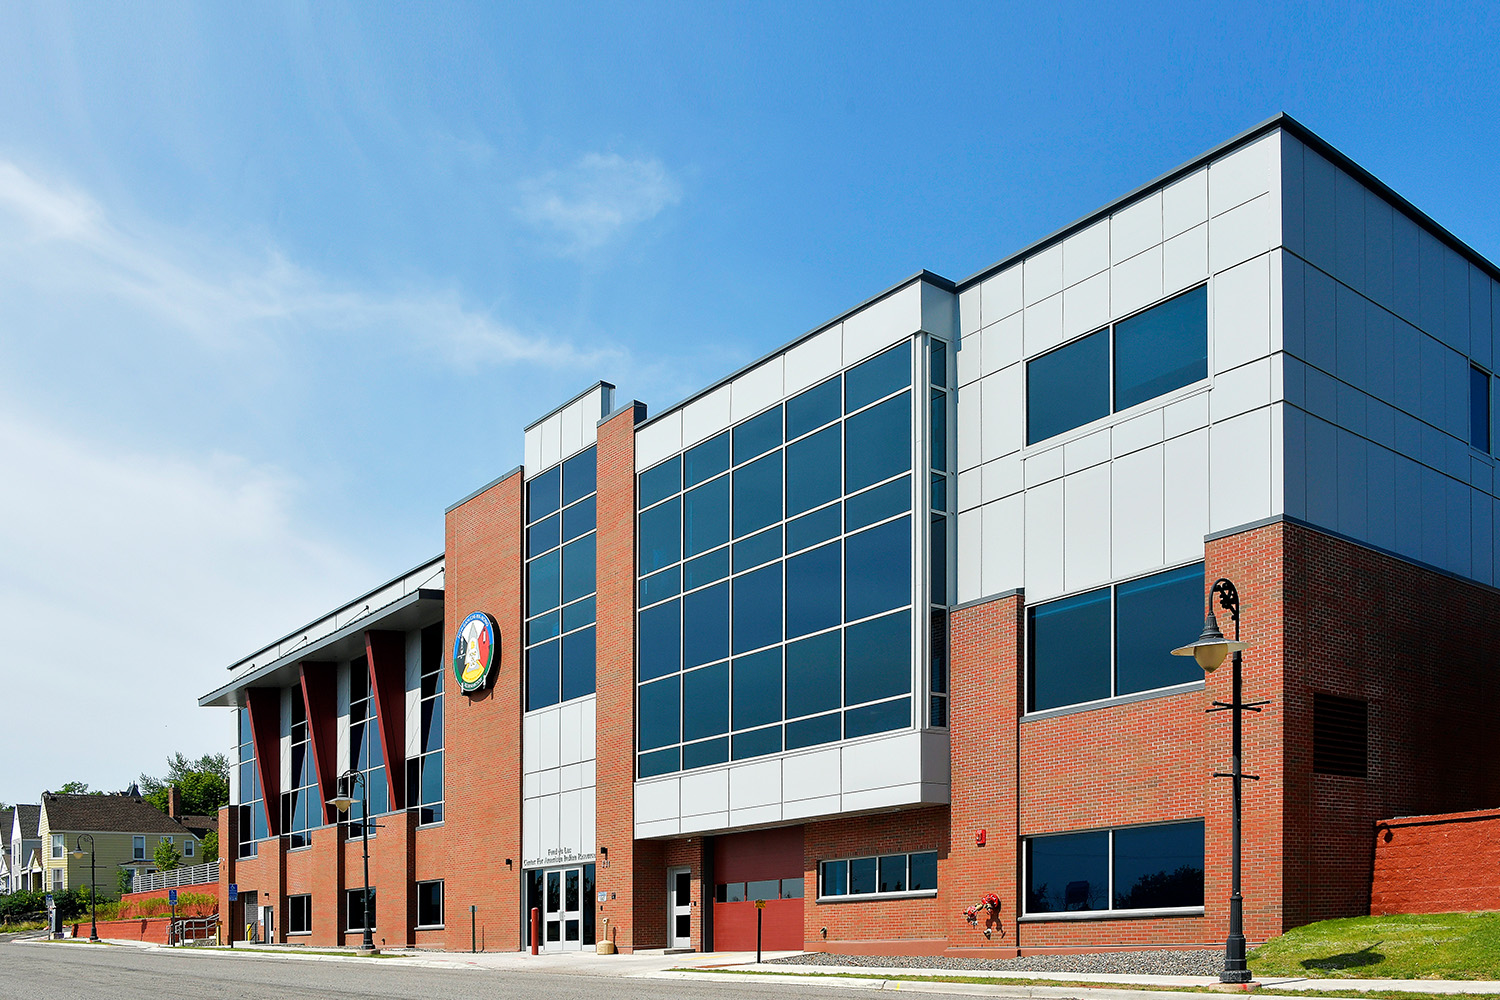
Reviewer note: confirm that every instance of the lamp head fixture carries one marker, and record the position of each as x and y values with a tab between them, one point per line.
1212	648
341	802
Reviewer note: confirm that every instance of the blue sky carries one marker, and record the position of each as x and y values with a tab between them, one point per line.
280	282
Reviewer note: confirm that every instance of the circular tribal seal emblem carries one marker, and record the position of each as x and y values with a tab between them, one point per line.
474	651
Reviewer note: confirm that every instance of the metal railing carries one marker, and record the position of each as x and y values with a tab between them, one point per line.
195	930
195	875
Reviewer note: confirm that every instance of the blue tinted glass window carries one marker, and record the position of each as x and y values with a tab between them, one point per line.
1067	873
579	518
543	494
813	668
578	568
757	435
578	476
541	628
811	732
542	583
893	873
1479	409
757	549
1147	613
661	536
939	421
757	742
659	762
705	569
1068	651
705	695
878	504
1068	387
659	637
877	658
937	369
939	491
757	495
1161	349
578	664
877	443
660	713
659	586
706	754
578	614
923	872
938	558
835	878
814	585
813	408
880	376
757	608
706	460
881	718
812	471
861	876
757	689
705	619
660	481
810	529
877	569
542	536
705	516
541	676
1158	866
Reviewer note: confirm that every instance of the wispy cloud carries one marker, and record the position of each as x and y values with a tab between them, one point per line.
128	578
599	197
62	242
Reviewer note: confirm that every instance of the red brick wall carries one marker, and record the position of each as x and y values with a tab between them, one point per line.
876	926
1437	864
1419	647
482	732
635	873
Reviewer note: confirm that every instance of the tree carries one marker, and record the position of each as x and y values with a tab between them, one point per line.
203	782
166	856
76	788
211	845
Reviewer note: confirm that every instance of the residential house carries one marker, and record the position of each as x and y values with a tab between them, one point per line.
23	845
125	831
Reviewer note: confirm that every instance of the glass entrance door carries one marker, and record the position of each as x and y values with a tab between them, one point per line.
562	913
679	908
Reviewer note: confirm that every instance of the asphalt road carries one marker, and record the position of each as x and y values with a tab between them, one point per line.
60	970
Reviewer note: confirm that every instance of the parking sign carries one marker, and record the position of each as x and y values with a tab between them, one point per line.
172	896
234	892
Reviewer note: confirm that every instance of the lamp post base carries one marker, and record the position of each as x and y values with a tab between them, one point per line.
367	952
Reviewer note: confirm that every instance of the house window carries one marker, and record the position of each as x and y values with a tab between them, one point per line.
299	914
354	905
882	875
138	848
187	847
424	773
1112	641
57	879
430	904
166	840
1151	353
59	845
1133	868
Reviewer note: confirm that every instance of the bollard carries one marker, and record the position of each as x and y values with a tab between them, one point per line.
473	938
536	927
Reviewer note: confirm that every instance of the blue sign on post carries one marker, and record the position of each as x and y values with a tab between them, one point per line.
172	897
234	892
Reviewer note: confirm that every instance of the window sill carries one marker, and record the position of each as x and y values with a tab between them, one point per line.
431	826
1123	699
299	933
863	897
430	927
1165	911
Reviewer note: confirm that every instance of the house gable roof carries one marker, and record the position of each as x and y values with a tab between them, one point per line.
29	816
105	814
7	823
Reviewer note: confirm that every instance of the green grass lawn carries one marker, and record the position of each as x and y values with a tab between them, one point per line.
1413	946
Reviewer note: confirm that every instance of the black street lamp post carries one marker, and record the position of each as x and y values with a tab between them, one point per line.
1209	650
342	803
93	892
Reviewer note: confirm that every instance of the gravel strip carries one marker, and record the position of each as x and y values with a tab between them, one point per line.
1130	963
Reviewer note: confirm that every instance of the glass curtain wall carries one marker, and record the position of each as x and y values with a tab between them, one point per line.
776	579
252	808
366	754
301	807
560	582
424	772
